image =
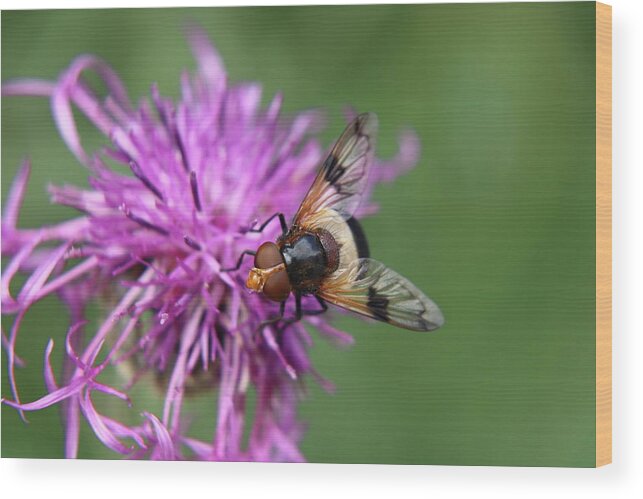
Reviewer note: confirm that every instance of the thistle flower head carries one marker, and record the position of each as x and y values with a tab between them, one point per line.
170	202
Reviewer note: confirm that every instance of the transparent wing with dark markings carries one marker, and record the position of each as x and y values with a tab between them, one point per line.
370	288
342	177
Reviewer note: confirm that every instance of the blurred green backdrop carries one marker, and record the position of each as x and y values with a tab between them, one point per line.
496	223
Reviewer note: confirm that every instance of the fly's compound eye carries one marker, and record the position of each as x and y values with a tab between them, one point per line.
268	255
277	287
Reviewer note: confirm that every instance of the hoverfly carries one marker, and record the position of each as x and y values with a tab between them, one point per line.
324	252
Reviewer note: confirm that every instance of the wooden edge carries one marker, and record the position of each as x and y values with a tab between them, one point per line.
603	234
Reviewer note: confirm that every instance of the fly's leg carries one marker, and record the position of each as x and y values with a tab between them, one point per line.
239	261
300	312
282	222
284	230
273	320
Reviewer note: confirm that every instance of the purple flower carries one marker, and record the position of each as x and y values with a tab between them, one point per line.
170	203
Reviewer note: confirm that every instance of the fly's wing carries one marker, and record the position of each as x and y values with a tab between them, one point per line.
370	288
342	177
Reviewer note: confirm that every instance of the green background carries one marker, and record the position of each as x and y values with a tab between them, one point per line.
496	223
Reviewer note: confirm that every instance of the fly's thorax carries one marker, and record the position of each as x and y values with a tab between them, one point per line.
305	259
269	276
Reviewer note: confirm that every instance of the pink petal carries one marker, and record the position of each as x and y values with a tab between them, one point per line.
211	65
52	398
41	274
101	429
11	354
16	195
63	279
29	87
272	343
123	431
5	344
70	89
72	427
50	380
111	391
201	449
10	305
163	439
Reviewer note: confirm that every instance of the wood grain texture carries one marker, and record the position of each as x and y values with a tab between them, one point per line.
603	234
